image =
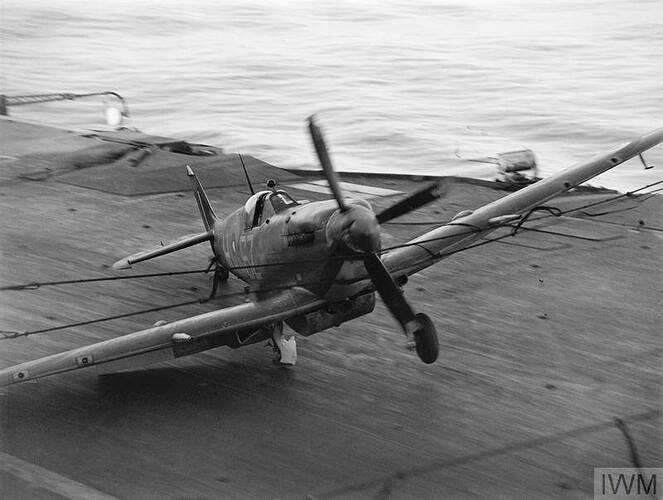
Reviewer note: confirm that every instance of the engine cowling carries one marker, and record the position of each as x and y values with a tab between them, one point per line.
335	315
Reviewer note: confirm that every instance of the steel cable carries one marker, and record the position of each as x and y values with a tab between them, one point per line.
471	230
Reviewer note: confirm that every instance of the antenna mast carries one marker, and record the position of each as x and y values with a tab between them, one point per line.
246	173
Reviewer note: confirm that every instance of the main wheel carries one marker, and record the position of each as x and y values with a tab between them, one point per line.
425	338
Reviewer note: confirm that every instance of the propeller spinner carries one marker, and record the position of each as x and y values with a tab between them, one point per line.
356	230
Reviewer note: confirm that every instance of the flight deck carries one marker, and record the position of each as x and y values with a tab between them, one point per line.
546	338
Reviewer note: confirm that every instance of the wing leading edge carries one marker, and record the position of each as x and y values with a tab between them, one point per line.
434	245
164	342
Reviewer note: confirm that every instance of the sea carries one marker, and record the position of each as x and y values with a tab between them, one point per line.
420	87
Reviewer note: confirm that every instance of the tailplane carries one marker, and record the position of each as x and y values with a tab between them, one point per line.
206	210
163	249
209	220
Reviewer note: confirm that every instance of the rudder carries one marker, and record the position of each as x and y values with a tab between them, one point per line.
206	210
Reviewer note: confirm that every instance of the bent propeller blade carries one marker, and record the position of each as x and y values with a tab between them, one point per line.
415	200
390	293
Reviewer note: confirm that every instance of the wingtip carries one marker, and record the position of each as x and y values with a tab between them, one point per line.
122	264
189	172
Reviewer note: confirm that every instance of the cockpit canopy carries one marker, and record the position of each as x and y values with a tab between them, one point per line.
264	204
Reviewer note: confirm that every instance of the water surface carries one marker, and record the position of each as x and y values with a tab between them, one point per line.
398	86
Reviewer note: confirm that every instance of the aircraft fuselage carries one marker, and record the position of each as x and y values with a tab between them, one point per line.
296	246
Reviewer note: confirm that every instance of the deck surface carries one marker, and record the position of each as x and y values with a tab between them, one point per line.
545	339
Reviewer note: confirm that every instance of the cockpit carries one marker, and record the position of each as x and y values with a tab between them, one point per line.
264	204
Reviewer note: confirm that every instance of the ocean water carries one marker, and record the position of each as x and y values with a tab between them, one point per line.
398	86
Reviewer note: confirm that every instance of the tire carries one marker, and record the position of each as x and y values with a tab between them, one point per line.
427	344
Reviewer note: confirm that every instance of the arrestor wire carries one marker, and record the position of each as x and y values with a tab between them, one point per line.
4	334
35	285
9	334
552	212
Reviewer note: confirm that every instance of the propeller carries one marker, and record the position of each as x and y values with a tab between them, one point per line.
356	229
325	162
417	199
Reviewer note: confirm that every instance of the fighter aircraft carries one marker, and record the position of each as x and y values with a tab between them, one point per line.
313	266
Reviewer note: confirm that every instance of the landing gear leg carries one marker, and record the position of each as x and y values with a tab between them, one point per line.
425	338
285	348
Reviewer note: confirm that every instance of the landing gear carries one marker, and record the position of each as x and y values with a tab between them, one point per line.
425	338
285	347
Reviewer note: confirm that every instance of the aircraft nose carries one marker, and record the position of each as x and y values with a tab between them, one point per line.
363	234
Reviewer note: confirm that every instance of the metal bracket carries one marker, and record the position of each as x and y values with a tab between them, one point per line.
644	163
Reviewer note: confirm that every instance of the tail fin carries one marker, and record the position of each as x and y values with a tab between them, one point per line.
206	210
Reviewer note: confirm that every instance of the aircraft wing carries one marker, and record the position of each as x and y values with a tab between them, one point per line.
179	338
469	226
